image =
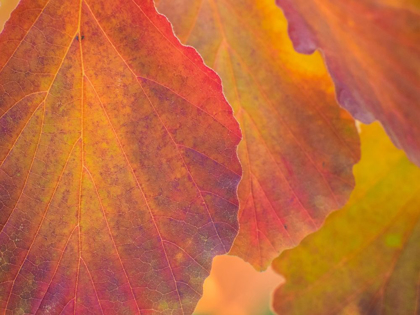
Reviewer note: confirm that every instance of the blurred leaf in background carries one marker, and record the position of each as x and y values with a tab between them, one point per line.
366	258
6	7
372	51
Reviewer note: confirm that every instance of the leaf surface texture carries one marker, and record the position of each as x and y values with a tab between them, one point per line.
118	163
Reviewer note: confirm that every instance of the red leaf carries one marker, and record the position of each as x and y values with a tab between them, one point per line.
372	52
118	165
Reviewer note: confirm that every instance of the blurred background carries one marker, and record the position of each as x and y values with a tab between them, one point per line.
234	287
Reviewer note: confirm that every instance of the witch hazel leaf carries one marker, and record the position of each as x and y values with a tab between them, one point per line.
372	52
118	163
298	146
365	259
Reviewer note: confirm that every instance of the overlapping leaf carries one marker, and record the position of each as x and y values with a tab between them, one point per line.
372	51
365	259
298	147
118	165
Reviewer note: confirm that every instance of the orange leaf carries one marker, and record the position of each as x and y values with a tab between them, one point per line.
118	165
372	51
298	146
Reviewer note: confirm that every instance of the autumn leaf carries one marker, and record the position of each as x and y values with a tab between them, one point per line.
372	52
298	147
365	259
118	164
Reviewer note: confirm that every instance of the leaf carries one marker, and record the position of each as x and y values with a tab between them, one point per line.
298	147
365	259
372	52
118	162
